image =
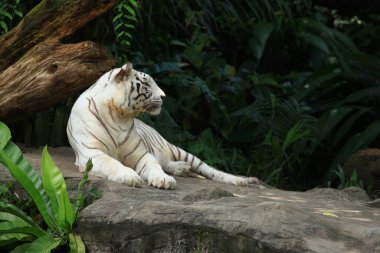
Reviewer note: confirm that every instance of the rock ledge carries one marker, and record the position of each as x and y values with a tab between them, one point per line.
206	216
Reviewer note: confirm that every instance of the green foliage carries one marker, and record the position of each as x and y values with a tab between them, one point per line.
345	183
50	195
283	90
76	244
12	158
344	93
80	199
9	195
288	90
123	23
55	187
10	13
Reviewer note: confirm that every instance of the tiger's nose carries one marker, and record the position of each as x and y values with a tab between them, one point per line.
161	93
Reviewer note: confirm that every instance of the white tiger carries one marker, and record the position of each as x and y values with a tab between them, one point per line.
102	126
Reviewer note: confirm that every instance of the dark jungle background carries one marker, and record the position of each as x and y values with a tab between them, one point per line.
284	90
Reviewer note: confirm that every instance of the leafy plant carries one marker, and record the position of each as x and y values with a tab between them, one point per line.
50	195
123	23
9	195
352	181
281	129
343	93
9	11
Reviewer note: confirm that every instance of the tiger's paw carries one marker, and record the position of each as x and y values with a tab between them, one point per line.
162	181
126	176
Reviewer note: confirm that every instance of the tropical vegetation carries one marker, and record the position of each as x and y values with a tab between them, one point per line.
21	233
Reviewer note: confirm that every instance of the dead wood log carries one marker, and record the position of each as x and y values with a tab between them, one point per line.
36	69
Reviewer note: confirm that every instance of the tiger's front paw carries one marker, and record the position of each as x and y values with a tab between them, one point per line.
126	176
161	181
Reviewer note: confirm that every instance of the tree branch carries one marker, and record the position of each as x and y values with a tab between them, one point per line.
36	70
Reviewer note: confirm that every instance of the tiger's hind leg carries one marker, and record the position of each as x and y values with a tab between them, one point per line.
181	169
149	169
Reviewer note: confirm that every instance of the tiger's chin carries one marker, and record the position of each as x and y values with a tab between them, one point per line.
155	112
153	109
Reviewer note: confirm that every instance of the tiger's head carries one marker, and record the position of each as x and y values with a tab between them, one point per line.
136	92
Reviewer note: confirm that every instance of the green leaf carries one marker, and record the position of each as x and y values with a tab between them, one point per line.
125	43
354	177
134	3
4	26
12	158
55	187
316	41
258	43
117	17
11	209
21	248
18	13
6	218
129	26
118	26
294	134
43	245
5	14
367	94
5	135
133	18
318	79
5	225
120	35
31	231
129	9
76	244
127	34
178	43
15	237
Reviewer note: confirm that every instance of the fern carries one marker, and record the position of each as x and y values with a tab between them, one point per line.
124	21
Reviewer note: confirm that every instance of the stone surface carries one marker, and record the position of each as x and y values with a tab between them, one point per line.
206	216
366	162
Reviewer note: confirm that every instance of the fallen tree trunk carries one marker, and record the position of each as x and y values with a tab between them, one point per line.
37	70
49	73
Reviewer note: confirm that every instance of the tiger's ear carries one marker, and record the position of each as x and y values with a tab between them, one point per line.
124	73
